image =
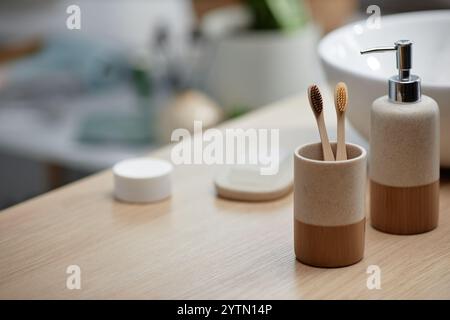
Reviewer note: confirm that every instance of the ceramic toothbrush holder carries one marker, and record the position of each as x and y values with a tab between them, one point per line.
329	206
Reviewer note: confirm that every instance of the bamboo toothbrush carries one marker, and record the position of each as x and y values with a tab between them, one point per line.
340	102
316	102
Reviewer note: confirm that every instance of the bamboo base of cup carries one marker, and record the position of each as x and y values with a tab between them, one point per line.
329	246
404	210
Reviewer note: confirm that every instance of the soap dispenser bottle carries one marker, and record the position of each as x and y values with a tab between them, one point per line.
404	152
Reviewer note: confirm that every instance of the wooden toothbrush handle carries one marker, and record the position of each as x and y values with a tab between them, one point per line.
341	150
326	147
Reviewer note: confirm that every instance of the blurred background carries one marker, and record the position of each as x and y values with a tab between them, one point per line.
73	102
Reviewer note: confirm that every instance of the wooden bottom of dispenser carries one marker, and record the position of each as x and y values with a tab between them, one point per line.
404	210
329	246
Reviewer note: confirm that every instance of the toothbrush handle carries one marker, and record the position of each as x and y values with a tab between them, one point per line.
341	151
326	147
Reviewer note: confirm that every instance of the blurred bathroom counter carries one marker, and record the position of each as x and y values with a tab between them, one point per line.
47	132
197	246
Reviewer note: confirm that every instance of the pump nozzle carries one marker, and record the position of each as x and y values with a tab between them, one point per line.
404	87
404	56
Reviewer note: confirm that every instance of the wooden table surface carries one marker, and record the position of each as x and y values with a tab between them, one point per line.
197	246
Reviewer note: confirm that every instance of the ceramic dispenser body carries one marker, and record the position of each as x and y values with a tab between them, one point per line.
404	152
404	166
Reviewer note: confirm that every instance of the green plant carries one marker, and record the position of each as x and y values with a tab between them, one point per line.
277	14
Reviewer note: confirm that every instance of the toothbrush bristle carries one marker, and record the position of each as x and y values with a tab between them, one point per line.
315	99
341	97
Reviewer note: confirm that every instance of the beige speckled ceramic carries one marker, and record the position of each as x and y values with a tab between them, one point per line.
329	206
404	143
329	193
404	166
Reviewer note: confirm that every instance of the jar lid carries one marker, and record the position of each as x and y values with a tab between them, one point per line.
142	180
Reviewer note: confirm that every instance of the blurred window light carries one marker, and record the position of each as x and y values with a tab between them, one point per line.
373	63
358	29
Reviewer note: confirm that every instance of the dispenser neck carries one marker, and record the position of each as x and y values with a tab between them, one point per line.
404	91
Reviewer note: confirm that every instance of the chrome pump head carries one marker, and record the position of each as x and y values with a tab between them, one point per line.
404	87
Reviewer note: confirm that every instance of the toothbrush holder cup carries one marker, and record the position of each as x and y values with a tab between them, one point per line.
329	206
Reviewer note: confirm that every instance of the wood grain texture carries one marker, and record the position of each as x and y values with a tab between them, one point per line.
341	103
341	152
197	246
326	146
404	211
329	246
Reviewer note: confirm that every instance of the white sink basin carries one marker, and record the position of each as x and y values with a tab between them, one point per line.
367	75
